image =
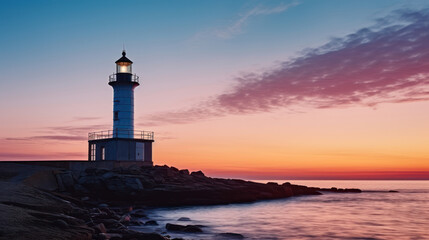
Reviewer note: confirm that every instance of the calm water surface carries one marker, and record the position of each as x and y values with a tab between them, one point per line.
367	215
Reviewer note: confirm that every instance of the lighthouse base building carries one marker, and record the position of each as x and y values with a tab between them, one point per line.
123	143
104	146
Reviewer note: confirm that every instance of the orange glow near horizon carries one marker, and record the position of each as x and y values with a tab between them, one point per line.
389	142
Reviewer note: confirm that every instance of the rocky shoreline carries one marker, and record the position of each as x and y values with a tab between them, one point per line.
53	203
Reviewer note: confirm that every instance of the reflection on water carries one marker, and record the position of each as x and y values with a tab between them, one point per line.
367	215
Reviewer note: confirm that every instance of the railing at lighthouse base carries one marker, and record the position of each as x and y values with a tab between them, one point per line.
129	134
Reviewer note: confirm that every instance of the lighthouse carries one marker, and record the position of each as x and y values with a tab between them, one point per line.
123	142
123	83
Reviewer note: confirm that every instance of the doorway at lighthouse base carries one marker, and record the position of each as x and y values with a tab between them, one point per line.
120	149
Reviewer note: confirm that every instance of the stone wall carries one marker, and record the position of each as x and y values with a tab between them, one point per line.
82	165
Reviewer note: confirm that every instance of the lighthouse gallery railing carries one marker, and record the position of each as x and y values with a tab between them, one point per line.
144	135
113	78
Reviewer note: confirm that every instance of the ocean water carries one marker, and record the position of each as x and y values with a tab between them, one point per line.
367	215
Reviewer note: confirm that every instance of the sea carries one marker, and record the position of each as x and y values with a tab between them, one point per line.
375	213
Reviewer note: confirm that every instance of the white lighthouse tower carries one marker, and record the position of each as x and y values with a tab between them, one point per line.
123	83
123	143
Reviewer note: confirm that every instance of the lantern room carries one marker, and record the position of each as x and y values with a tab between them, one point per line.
123	65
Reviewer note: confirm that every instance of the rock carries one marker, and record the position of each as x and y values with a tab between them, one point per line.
140	235
80	213
99	228
101	171
272	183
182	228
110	223
108	175
91	183
67	179
110	236
81	189
229	236
192	229
60	223
339	190
198	174
135	223
184	219
139	213
151	223
90	171
133	170
353	190
103	205
159	179
184	172
123	184
393	191
125	218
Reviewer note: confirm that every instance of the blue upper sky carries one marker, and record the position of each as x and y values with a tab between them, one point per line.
183	50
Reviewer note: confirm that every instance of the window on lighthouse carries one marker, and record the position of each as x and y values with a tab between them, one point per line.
123	67
93	151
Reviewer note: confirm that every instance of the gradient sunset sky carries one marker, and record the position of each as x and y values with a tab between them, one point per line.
252	89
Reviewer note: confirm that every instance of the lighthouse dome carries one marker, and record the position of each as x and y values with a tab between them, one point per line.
123	59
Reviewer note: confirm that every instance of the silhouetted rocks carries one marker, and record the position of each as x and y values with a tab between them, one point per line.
151	223
95	203
138	213
168	186
197	174
183	228
140	235
225	236
340	190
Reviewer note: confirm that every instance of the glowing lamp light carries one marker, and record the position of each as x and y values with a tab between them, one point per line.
124	68
123	65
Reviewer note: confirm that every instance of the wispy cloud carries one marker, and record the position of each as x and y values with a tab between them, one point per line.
237	26
49	137
385	63
10	156
80	119
62	133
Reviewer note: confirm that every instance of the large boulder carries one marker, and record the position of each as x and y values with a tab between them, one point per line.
184	172
228	235
123	184
198	174
182	228
91	182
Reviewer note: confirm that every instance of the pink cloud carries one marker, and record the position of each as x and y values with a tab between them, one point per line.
385	63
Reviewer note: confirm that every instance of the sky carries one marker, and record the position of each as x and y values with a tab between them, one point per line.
300	89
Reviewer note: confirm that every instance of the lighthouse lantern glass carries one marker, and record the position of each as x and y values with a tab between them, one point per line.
123	67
